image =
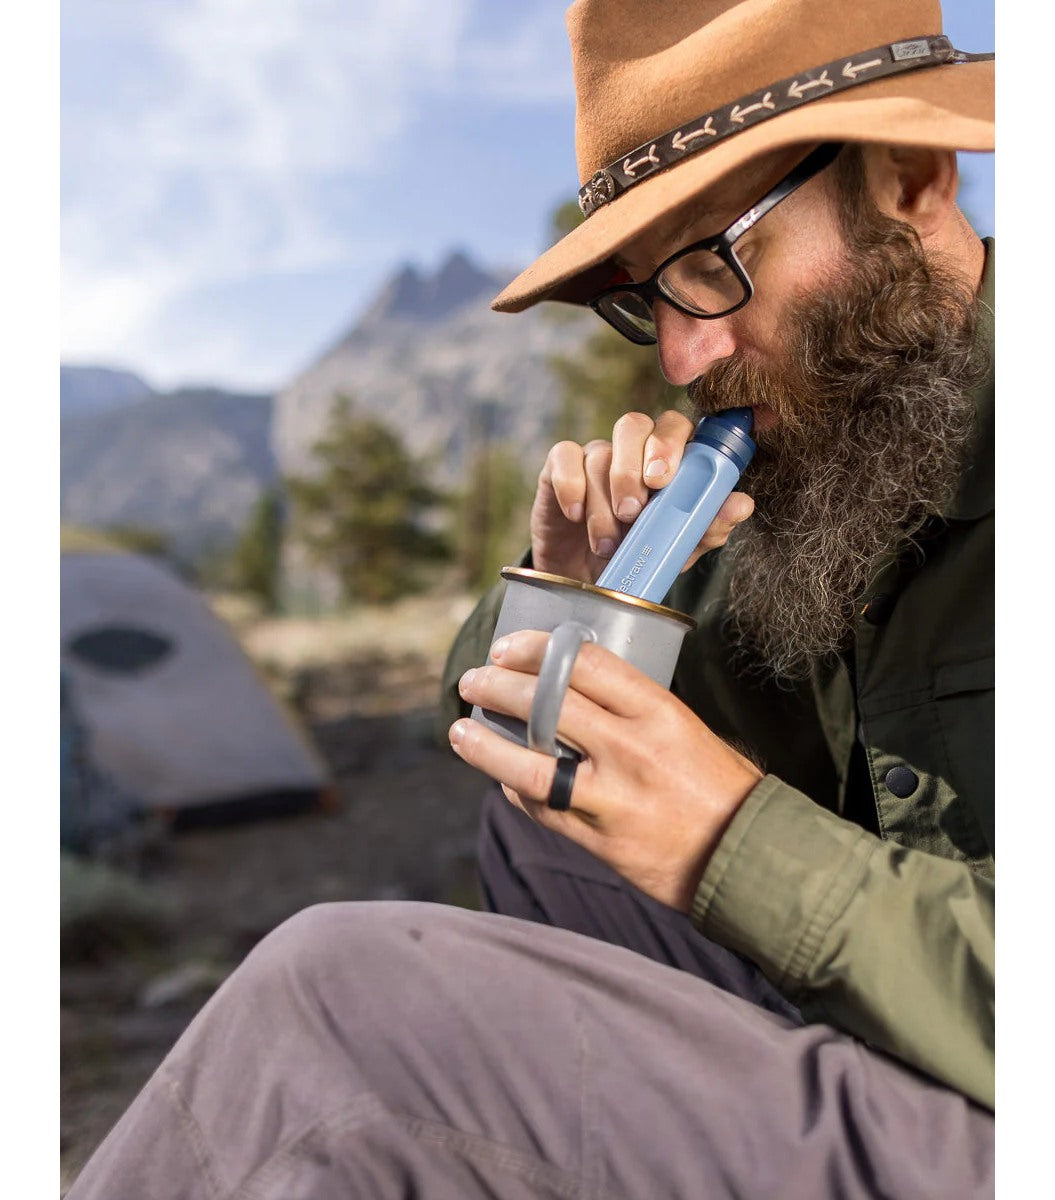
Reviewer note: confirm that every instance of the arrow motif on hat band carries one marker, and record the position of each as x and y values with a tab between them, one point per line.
680	141
630	167
739	113
815	83
798	90
851	71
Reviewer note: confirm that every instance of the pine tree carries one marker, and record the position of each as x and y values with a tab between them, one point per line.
370	515
493	514
255	561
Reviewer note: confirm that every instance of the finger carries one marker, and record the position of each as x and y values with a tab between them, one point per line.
512	692
516	800
738	506
603	527
629	493
563	472
664	448
612	686
526	772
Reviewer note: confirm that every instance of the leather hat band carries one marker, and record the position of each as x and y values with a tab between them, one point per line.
693	136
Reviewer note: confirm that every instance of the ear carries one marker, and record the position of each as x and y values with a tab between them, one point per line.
915	184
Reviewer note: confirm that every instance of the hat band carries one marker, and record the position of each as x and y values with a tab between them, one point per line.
693	136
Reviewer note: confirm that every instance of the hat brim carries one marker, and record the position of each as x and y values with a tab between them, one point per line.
949	107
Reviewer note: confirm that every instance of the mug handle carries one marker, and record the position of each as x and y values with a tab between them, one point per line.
553	678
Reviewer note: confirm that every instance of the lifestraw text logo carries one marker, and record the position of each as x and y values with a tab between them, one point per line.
626	584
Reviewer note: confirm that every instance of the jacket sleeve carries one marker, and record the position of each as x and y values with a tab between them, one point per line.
470	649
893	945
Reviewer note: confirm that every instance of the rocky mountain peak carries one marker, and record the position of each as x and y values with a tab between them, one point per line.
420	298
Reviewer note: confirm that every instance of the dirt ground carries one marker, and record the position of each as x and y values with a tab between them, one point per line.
404	827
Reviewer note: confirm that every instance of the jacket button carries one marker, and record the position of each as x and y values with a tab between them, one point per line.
902	781
878	610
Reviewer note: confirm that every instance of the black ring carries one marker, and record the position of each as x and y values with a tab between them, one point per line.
563	781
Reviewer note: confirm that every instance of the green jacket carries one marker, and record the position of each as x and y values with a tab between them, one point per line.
858	874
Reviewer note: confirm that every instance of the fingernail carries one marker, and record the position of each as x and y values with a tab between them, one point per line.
575	512
467	679
656	468
499	648
605	548
629	509
456	733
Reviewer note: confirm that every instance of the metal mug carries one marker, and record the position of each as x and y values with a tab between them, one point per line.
646	635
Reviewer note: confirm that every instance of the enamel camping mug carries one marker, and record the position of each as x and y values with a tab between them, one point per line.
646	635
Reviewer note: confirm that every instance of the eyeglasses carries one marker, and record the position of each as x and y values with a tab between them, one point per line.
706	279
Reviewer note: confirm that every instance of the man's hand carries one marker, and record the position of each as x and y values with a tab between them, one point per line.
588	495
656	788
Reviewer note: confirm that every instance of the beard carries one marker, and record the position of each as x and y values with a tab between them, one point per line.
875	416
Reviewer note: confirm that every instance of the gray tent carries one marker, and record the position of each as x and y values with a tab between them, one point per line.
174	713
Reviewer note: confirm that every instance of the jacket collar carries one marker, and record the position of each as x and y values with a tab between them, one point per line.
976	495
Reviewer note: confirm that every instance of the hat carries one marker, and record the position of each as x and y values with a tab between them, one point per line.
674	95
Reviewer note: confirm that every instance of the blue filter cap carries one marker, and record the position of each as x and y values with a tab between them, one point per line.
728	432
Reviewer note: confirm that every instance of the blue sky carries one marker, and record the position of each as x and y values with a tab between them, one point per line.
238	177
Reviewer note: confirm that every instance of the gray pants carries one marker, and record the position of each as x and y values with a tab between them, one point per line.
384	1050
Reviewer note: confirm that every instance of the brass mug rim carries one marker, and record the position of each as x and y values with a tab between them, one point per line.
544	576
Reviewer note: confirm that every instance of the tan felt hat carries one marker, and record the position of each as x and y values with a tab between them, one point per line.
674	95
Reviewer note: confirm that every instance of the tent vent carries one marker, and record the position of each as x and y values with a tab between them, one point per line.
121	648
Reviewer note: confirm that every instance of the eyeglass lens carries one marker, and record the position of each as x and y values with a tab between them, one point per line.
701	282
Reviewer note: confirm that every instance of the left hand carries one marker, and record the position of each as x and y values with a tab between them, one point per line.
656	788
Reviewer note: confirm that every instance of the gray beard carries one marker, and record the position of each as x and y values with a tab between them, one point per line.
875	423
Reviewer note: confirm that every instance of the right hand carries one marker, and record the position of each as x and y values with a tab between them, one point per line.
588	496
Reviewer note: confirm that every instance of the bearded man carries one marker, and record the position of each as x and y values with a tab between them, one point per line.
803	826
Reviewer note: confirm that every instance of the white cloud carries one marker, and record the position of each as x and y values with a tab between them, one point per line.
204	126
299	85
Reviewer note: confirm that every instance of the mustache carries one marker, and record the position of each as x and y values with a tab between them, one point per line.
741	381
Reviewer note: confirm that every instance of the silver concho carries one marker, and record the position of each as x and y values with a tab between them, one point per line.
598	191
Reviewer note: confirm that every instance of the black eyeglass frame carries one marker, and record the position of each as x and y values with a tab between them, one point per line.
721	244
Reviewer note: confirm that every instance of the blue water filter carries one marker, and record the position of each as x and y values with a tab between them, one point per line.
670	527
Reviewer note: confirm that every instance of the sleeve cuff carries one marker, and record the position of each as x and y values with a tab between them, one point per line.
783	872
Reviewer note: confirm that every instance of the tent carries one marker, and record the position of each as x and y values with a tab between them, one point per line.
174	714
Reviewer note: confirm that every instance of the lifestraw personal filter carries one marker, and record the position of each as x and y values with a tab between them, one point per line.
670	527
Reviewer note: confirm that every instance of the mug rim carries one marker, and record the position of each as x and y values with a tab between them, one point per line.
530	574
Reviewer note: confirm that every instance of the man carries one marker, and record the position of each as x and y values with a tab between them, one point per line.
803	826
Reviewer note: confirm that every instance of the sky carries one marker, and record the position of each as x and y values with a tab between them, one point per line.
239	177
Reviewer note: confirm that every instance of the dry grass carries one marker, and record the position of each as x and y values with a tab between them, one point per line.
418	625
366	661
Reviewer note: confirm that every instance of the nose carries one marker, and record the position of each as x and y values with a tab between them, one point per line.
688	346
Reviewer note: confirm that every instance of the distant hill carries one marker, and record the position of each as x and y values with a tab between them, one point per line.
430	358
88	389
189	464
427	356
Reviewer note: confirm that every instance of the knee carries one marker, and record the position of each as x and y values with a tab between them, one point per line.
307	943
327	941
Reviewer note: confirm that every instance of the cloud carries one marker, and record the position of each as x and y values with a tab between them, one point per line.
200	135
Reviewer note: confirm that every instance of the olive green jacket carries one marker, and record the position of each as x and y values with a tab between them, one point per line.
858	874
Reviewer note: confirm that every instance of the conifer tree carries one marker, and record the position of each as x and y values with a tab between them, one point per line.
370	515
255	562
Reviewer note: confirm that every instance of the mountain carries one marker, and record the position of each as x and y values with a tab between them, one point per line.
412	297
84	389
427	356
190	464
430	358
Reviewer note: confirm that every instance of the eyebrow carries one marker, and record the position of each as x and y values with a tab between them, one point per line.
677	236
